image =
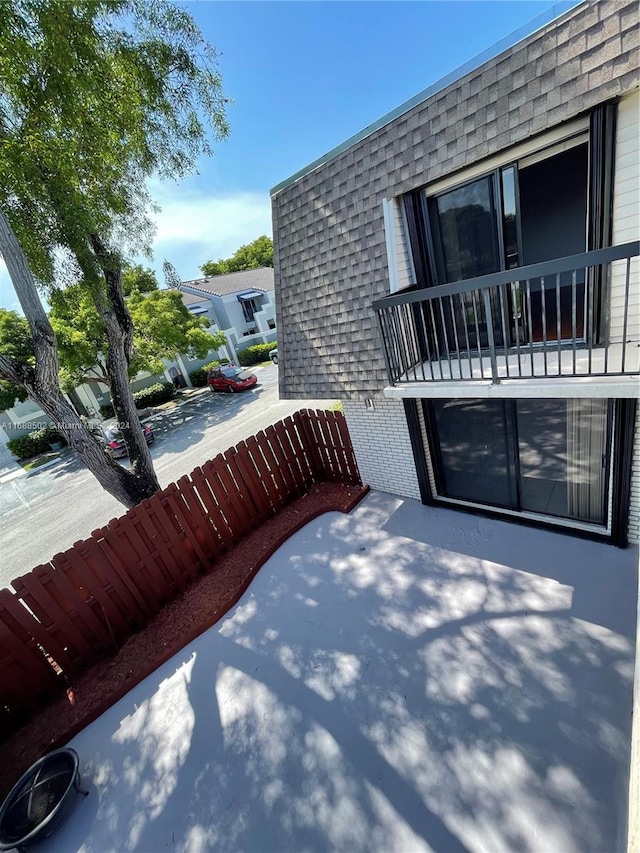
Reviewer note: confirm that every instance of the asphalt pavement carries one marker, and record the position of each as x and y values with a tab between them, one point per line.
47	511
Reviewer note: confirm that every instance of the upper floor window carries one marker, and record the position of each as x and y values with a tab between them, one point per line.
541	201
249	308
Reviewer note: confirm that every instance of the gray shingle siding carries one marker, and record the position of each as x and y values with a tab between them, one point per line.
330	258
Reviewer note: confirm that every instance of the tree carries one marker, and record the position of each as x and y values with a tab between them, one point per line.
138	278
15	344
94	98
250	257
172	280
163	328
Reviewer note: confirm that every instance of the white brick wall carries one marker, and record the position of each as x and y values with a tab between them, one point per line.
634	508
382	446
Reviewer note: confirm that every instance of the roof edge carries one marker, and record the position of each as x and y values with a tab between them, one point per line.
542	20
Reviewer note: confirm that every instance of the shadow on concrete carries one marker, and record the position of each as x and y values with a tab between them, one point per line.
376	691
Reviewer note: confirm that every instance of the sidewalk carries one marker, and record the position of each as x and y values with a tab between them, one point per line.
9	467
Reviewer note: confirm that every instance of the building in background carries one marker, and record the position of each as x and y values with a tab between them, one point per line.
240	304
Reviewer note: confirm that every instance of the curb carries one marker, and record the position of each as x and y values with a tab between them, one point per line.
13	475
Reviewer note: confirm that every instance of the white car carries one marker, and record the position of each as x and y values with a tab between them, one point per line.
273	355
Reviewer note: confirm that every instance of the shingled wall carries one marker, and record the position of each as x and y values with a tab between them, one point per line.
328	228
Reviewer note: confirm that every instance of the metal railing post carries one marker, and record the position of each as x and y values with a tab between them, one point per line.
490	340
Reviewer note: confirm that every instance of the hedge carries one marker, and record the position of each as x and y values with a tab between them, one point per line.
33	443
256	353
161	392
198	377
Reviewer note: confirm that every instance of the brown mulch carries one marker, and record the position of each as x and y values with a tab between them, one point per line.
178	623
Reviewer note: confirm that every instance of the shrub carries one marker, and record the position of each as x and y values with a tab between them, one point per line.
256	353
215	363
33	443
107	411
154	395
198	377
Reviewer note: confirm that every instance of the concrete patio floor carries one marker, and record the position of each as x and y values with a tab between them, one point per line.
403	678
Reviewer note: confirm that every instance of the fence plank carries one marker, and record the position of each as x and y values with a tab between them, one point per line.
253	490
99	588
140	554
303	421
352	465
110	552
47	636
21	654
174	558
342	470
281	449
249	507
279	487
171	501
284	429
52	595
149	526
280	465
216	472
218	519
254	446
199	520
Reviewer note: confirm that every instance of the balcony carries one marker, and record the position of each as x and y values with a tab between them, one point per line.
569	321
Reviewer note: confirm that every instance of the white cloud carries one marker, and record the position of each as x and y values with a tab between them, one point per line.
193	228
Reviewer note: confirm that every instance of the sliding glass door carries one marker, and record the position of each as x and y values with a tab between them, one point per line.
475	459
547	457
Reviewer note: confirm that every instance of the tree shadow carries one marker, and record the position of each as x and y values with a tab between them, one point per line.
373	691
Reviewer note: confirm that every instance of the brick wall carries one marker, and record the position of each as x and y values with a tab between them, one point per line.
381	442
331	259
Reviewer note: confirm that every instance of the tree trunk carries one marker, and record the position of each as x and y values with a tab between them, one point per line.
43	385
119	330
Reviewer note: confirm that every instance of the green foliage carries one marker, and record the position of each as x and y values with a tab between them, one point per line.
198	377
172	280
215	363
165	328
107	411
249	257
256	353
96	97
15	343
82	340
161	392
35	442
137	278
10	394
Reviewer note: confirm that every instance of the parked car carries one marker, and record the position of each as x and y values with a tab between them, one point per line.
273	355
109	434
228	377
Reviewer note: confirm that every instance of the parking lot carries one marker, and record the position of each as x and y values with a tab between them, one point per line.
46	512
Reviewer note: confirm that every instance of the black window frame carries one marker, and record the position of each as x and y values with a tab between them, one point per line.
618	443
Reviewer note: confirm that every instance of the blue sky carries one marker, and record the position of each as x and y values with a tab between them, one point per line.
304	76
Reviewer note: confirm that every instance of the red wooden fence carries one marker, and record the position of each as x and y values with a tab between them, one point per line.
67	612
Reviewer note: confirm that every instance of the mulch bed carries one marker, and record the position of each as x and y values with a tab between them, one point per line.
177	624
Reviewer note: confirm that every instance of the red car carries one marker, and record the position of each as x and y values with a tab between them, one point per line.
228	377
109	434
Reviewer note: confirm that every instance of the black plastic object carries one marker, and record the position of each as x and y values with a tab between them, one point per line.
40	800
